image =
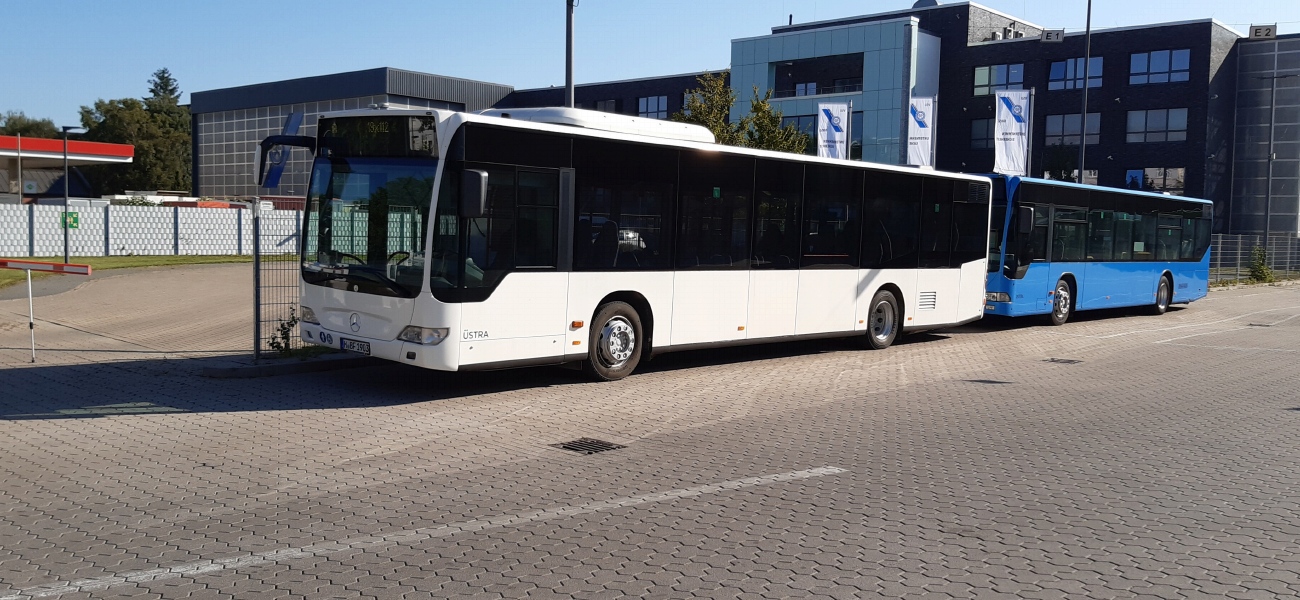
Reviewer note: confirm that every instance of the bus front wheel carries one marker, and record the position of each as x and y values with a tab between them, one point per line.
1162	297
1062	303
615	344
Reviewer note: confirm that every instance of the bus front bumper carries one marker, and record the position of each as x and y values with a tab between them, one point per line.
420	355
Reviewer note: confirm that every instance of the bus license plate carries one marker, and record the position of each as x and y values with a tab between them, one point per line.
356	346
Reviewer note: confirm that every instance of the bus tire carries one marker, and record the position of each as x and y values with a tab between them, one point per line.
1062	303
883	321
615	342
1164	293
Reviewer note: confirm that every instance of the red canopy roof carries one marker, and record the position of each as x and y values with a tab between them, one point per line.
44	153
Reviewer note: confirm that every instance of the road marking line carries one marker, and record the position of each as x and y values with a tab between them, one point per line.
1232	347
379	542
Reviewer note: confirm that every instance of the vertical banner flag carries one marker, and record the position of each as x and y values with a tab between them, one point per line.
1011	132
920	132
832	122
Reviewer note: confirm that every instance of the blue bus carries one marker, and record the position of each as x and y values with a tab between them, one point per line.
1058	247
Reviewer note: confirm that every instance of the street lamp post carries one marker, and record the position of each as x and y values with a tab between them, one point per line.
1083	113
66	185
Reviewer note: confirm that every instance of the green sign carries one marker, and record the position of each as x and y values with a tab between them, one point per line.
71	220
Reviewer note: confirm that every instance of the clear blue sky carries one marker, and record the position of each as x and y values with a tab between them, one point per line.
62	54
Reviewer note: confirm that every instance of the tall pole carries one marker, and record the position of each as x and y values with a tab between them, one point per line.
31	314
1083	113
1029	154
66	185
20	168
568	56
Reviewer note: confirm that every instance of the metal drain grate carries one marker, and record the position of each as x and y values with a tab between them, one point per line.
1063	361
588	446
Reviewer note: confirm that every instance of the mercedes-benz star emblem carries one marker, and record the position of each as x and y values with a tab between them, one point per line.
354	322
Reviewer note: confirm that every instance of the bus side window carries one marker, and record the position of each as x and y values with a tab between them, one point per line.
1036	241
936	223
832	223
777	198
892	221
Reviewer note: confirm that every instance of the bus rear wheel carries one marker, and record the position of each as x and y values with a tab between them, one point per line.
882	321
615	343
1163	296
1062	303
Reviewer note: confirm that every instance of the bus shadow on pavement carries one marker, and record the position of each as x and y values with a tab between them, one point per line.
999	323
117	388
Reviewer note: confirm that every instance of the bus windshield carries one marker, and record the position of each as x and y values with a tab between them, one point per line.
366	222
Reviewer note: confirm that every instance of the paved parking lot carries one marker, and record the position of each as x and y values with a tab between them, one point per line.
1119	456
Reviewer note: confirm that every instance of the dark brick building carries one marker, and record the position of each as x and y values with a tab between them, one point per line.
653	97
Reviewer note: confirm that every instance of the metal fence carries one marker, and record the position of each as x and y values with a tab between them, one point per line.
1231	257
276	235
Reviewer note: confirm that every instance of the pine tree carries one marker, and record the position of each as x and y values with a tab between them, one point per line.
710	106
765	131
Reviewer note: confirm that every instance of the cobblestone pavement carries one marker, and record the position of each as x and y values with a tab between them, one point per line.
1119	456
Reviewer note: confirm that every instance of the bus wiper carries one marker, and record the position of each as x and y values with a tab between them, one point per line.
381	277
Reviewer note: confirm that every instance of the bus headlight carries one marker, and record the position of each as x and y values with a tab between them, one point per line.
997	297
308	316
428	336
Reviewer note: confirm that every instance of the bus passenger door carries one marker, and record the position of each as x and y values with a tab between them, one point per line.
516	248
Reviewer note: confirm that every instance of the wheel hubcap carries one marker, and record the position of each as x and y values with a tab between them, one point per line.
882	321
1062	301
617	340
1162	297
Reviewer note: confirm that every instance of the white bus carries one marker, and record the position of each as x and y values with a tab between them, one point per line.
458	241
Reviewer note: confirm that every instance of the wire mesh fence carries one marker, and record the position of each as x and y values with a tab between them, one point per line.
276	234
1247	258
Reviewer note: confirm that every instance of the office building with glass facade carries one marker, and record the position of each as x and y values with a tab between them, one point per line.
1159	108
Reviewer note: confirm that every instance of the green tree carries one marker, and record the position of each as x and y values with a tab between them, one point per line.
765	131
159	128
710	106
163	87
15	122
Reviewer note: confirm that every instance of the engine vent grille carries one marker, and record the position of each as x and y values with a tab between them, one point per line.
928	301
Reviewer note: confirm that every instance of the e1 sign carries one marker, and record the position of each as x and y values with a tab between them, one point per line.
1052	36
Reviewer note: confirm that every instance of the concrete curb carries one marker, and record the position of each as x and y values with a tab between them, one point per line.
289	366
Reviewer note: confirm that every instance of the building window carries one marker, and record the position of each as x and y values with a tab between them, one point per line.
1063	130
610	106
981	133
654	107
1161	125
1089	176
1068	74
805	89
999	77
1169	180
848	84
1161	66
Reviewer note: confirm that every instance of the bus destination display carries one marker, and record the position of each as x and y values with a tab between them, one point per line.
380	136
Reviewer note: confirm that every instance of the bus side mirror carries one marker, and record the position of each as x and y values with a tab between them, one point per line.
1024	220
269	168
473	194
